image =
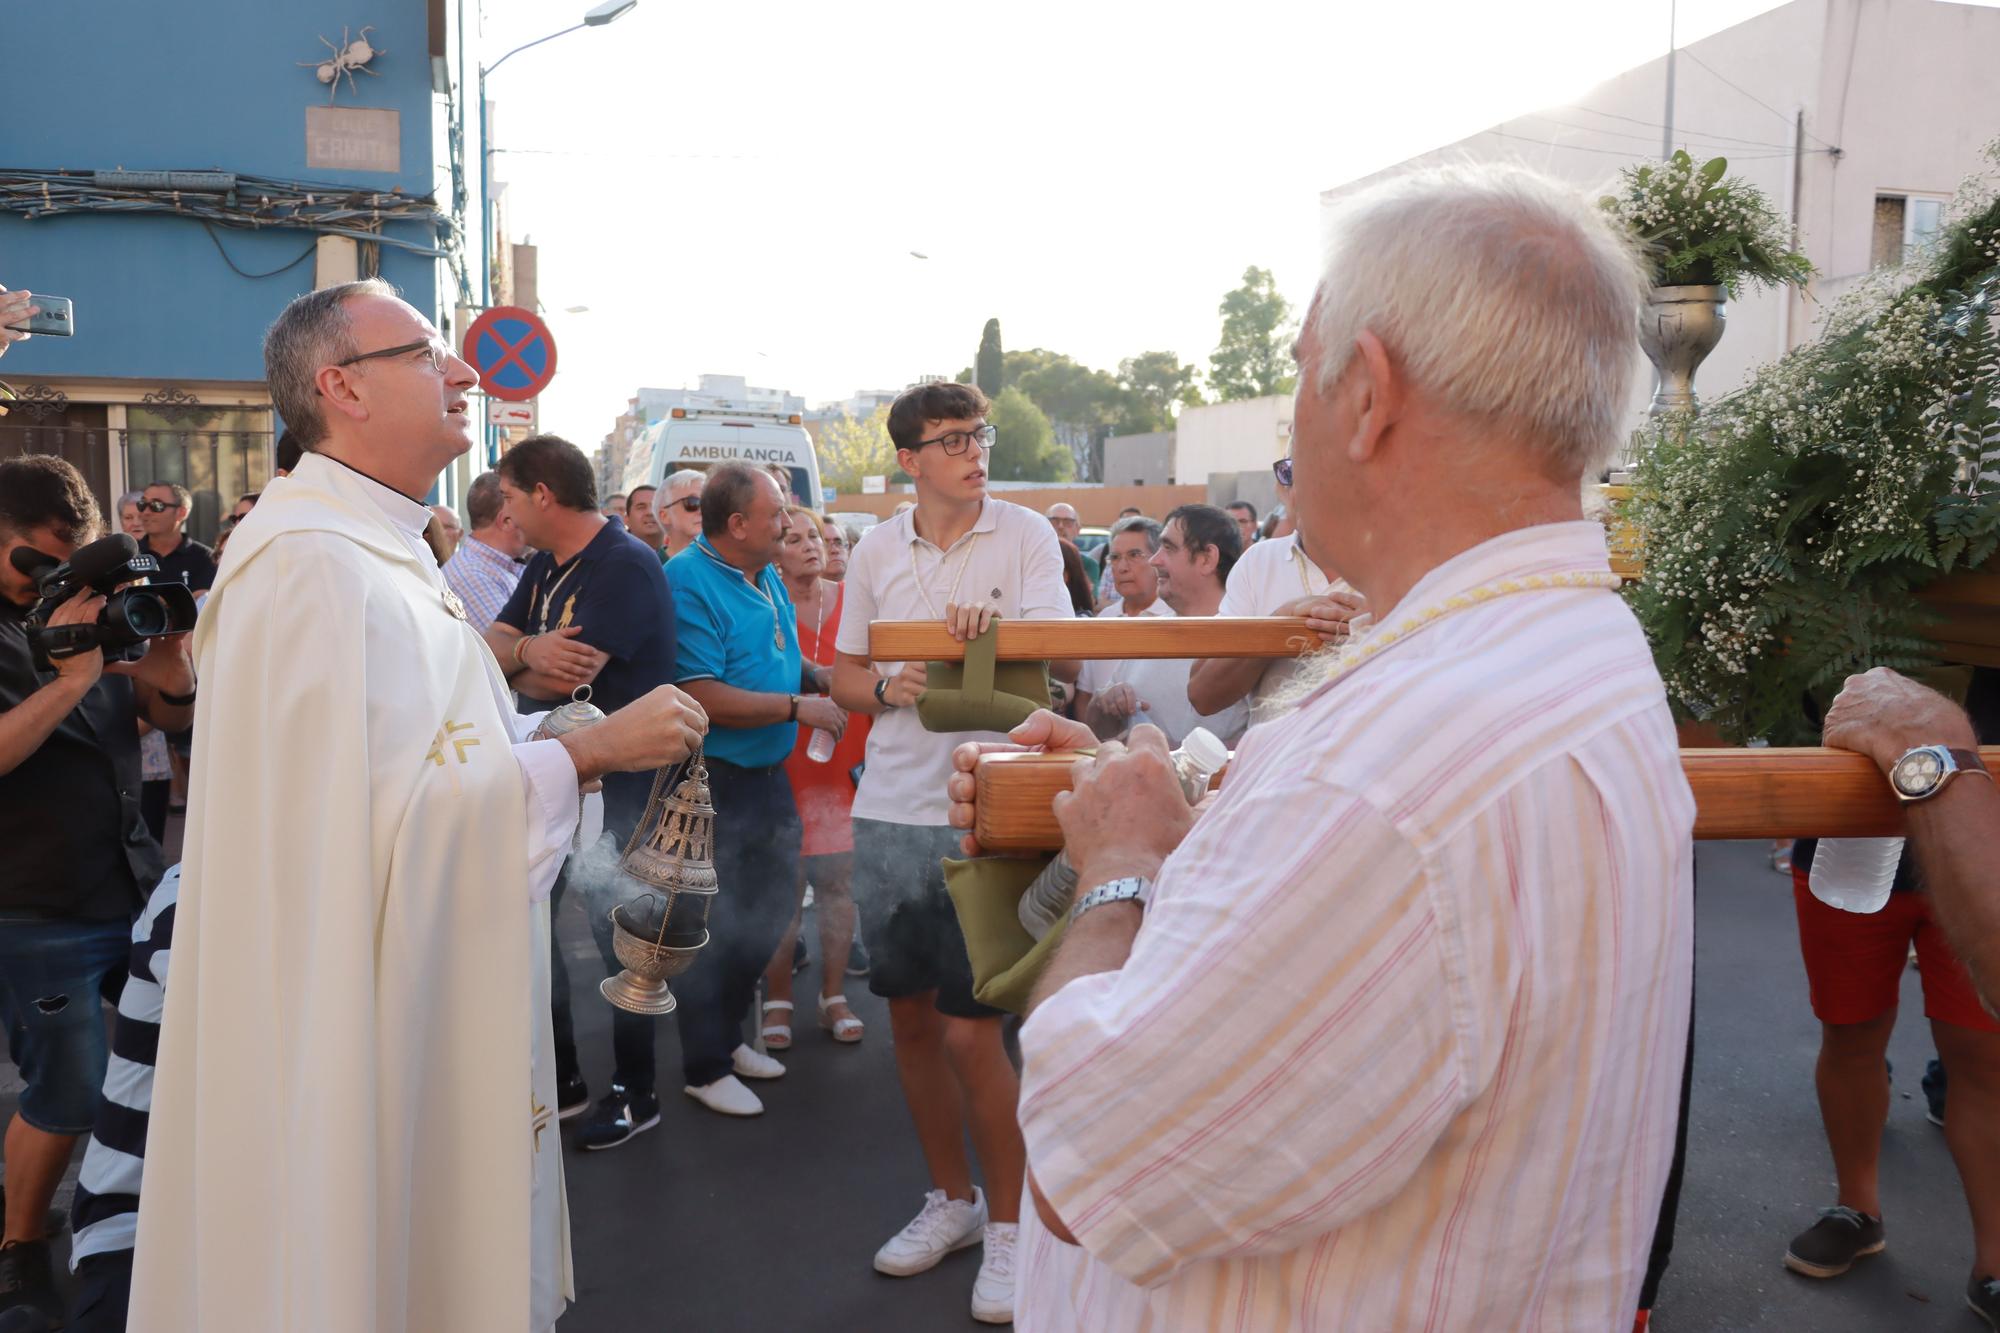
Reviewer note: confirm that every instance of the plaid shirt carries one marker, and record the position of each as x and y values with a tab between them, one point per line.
483	578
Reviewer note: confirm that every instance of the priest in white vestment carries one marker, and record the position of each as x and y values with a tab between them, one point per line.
353	1124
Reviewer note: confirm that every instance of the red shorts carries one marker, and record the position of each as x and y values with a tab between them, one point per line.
1854	962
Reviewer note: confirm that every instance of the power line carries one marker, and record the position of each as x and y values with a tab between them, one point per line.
1753	97
1693	134
1627	154
1690	137
209	227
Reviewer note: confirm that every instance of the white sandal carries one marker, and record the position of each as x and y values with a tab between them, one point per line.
847	1029
777	1036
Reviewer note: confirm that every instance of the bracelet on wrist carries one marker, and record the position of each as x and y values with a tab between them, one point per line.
520	647
882	692
795	710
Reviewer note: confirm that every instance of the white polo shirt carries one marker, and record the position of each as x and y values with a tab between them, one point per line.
1269	575
1162	684
1011	559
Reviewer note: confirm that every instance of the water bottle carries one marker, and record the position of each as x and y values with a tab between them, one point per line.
1200	758
820	748
1855	874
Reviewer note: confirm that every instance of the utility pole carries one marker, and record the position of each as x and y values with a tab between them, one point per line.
1667	134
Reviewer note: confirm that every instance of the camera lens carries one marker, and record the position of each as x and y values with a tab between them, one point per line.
146	616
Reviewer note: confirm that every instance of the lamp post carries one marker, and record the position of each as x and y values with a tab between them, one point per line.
609	11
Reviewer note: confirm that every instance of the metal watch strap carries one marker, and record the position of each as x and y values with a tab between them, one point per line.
1131	889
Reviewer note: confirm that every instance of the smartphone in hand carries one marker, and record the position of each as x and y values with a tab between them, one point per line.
57	317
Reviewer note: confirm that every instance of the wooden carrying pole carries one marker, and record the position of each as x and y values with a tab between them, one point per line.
1102	640
1766	793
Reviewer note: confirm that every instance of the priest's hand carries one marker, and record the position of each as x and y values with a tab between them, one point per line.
657	729
1042	731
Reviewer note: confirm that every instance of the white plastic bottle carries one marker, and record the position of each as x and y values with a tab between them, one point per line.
1855	874
820	748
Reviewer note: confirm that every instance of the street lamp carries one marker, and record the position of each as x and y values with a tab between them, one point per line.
607	11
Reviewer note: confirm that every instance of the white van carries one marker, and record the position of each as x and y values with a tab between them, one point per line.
700	437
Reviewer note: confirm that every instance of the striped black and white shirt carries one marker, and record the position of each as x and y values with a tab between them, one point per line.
106	1212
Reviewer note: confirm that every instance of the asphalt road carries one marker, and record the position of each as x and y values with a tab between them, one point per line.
712	1223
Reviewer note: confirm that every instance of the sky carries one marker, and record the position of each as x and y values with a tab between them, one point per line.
738	189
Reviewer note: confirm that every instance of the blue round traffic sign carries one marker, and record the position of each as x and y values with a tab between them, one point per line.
513	352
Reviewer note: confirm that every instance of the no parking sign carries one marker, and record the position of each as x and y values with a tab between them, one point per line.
513	352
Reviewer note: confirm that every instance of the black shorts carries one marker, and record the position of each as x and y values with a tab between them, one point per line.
914	943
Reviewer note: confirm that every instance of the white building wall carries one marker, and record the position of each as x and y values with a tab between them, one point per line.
1903	88
1241	436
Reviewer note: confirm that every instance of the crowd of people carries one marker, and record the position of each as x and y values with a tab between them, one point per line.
1458	1101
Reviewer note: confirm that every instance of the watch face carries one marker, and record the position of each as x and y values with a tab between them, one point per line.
1917	772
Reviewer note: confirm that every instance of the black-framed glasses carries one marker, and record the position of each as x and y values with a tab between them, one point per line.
1282	470
957	442
434	351
155	506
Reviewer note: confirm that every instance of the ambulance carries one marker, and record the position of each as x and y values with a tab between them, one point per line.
698	438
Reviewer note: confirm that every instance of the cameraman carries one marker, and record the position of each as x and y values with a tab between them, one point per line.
76	861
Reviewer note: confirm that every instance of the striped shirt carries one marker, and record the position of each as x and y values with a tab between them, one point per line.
483	578
105	1214
1415	1062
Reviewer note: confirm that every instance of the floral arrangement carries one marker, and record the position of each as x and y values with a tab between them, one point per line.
1788	527
1700	226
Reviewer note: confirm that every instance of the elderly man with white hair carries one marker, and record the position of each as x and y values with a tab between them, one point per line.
1390	1036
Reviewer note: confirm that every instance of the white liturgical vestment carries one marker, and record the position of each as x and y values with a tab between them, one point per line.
345	1132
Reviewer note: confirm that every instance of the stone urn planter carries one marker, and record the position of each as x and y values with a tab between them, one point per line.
1678	328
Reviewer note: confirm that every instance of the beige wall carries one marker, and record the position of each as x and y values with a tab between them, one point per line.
1242	436
1097	506
1909	111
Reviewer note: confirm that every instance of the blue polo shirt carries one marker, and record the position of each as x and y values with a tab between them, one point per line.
741	634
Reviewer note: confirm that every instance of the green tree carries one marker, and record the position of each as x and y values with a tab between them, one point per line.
988	366
1026	449
850	450
1083	405
1254	357
1157	385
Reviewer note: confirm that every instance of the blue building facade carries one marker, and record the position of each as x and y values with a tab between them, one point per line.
172	290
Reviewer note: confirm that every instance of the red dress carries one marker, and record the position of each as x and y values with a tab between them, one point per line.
825	792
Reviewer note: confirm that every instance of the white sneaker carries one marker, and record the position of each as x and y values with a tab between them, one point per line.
750	1064
993	1292
727	1096
944	1225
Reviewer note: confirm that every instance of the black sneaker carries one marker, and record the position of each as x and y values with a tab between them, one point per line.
572	1097
857	959
1934	1083
1830	1246
1982	1297
618	1116
27	1279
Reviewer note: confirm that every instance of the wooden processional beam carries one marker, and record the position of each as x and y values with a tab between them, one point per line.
1762	793
1100	640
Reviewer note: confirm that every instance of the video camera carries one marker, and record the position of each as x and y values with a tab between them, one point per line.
130	615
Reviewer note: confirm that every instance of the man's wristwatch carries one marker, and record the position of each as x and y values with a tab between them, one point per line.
1923	772
1131	889
882	692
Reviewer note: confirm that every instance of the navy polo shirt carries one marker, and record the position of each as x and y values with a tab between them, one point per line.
741	634
614	592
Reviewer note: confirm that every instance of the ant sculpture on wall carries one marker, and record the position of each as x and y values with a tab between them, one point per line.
347	57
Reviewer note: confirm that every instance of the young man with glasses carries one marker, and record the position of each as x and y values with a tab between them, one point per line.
964	557
1273	578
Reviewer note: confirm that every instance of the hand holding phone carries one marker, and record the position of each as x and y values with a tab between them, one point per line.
23	314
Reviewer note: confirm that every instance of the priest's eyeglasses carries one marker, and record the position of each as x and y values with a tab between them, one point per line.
1282	470
435	352
957	442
